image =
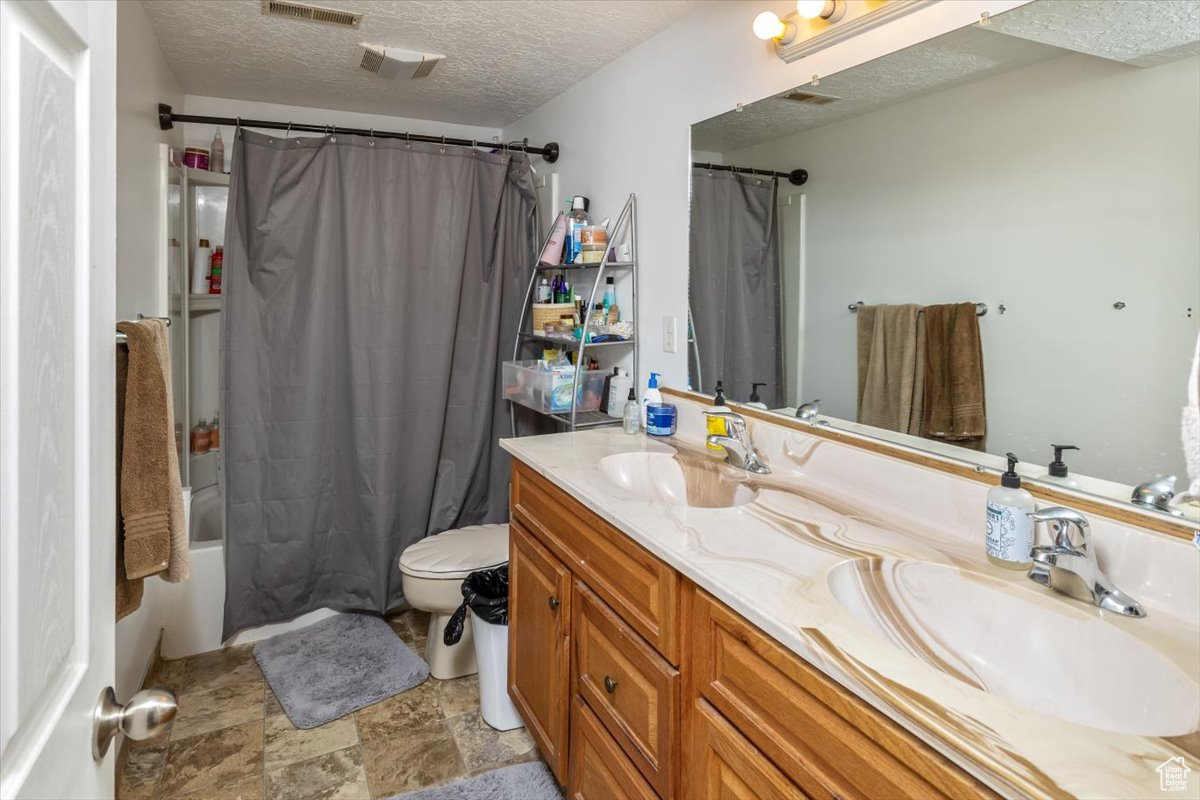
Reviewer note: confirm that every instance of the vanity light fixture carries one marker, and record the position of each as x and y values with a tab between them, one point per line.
814	25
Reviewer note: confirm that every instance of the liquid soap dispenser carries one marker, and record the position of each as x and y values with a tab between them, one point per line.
1009	529
755	400
716	424
1058	468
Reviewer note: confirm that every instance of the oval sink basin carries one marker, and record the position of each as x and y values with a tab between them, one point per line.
676	479
1058	661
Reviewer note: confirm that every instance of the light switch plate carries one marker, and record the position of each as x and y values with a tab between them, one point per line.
669	326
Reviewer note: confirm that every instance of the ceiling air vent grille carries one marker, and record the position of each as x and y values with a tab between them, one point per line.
809	98
303	11
372	60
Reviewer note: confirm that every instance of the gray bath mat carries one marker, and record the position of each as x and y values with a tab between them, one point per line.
529	781
337	666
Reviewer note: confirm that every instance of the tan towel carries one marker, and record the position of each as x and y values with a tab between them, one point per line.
955	408
129	590
889	357
151	497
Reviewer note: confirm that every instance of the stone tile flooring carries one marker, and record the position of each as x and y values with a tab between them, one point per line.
232	741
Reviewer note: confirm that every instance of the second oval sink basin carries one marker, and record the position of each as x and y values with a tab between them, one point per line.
1062	662
677	479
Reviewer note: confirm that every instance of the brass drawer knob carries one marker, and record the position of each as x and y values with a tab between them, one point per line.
553	603
610	685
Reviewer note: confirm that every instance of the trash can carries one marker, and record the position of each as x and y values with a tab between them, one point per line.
485	595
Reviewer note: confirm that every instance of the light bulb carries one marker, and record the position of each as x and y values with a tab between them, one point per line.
810	9
768	26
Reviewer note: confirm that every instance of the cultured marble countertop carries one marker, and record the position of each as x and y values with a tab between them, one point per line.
810	530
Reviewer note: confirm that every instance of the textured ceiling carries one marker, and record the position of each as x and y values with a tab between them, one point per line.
1139	32
504	57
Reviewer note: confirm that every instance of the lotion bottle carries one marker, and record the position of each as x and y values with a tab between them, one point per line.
1009	530
653	396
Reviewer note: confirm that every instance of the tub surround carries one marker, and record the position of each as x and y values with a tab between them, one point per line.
872	569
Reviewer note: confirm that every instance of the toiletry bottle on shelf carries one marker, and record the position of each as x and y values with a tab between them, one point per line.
214	273
577	220
622	384
1058	472
200	263
610	294
216	154
755	400
631	418
652	397
214	434
606	392
715	425
1009	529
200	438
552	253
544	291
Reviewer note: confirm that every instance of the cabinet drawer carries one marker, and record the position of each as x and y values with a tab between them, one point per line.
632	690
829	742
643	590
599	770
723	765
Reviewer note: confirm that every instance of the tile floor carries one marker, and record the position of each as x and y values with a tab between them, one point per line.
232	741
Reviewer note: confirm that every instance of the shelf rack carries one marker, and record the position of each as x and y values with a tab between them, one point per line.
626	222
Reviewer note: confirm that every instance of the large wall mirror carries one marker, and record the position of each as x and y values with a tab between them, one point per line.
996	249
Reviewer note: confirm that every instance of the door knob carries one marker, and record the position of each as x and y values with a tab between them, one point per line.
553	602
610	685
149	713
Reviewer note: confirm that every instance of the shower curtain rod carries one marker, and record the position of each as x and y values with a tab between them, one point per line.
797	177
167	119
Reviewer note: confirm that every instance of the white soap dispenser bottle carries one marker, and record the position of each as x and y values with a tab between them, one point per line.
1009	529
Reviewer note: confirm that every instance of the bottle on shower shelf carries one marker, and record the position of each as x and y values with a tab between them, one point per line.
216	154
214	434
200	441
214	274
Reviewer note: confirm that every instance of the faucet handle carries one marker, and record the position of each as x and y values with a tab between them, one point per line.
1062	519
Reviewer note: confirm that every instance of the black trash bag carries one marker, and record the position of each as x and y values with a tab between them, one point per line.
486	592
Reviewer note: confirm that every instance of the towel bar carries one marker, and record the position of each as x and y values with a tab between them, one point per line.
980	308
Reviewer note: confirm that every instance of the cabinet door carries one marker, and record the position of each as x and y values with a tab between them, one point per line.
599	770
539	614
726	766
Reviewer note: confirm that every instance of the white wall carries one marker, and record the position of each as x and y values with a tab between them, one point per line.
143	80
1056	189
627	129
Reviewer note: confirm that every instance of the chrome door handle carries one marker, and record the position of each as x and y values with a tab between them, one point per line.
149	713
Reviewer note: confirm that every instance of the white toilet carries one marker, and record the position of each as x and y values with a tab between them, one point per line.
433	570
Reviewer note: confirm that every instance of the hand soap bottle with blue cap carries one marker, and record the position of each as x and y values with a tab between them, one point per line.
652	395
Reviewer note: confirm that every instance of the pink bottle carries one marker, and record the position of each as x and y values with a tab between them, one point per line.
553	251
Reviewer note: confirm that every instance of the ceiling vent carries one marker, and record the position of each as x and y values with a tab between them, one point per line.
809	98
303	11
392	62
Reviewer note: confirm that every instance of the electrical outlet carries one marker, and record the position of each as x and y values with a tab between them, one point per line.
669	345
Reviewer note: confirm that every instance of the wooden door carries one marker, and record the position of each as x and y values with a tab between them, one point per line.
57	383
724	765
539	614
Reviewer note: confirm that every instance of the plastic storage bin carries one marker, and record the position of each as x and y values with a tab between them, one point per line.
548	389
491	652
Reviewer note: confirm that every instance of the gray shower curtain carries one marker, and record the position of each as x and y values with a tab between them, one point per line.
369	286
734	284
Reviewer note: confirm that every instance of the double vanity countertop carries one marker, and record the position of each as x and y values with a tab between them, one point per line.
873	570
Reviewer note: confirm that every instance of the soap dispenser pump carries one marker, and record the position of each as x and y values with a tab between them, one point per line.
714	422
1058	472
755	400
1009	537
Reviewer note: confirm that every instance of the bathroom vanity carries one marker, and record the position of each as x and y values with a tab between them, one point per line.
679	628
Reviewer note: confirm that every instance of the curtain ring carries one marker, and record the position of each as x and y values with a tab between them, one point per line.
371	141
289	130
239	122
442	149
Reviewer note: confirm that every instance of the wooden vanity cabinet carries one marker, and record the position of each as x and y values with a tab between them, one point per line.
636	684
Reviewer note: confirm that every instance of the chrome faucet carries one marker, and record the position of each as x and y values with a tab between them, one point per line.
808	411
1072	569
739	450
1157	494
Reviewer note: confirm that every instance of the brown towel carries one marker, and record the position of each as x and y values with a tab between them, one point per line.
155	539
890	366
129	590
955	408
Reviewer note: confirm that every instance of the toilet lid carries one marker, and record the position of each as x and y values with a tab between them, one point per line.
457	553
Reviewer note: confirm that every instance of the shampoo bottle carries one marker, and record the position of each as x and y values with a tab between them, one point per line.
715	425
201	258
653	396
1058	472
1009	529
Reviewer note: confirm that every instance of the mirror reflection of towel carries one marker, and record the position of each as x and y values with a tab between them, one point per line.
891	367
955	408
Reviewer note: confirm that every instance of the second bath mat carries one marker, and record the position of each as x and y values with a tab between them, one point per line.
337	666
